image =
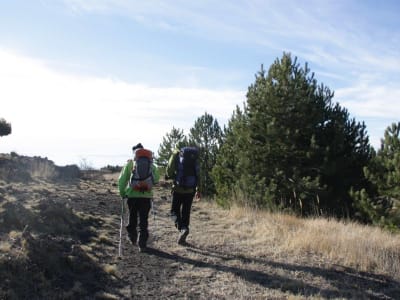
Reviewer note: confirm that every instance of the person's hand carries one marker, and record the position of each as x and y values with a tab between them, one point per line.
197	196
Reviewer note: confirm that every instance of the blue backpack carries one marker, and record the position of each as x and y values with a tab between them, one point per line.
187	167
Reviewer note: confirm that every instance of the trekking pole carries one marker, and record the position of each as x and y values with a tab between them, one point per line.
154	214
120	229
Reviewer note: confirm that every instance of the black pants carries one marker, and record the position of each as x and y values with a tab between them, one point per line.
139	207
180	209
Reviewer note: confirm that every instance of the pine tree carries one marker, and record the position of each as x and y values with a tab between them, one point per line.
175	139
380	202
297	145
5	128
226	169
346	151
206	135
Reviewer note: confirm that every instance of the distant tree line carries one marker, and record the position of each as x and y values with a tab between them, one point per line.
291	148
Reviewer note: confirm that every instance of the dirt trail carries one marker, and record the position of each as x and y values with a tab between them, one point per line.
212	266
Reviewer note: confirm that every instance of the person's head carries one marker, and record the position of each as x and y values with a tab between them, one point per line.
138	146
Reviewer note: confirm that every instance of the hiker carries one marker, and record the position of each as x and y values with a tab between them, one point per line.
183	169
135	183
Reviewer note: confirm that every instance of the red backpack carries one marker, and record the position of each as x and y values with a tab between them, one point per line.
142	174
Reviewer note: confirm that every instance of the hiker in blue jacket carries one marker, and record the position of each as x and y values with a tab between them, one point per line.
183	169
135	183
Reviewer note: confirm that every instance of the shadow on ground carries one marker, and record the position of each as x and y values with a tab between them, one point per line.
46	256
343	282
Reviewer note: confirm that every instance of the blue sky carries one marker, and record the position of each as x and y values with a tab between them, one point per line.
85	80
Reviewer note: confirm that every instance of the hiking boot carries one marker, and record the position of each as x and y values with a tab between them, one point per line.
142	243
133	238
142	249
183	235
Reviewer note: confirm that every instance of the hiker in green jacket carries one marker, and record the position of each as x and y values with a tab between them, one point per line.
183	169
135	184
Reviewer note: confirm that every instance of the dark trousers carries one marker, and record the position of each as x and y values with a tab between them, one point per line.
139	207
180	209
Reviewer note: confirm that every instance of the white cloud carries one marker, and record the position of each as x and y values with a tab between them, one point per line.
375	103
368	100
85	116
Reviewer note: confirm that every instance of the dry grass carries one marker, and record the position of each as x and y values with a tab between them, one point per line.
110	269
106	296
365	248
5	246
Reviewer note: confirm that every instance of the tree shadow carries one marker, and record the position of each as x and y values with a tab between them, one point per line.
54	268
345	282
48	217
50	259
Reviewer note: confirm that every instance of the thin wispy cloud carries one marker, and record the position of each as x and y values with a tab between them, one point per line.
347	37
369	101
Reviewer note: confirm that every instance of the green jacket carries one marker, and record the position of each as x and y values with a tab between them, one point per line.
123	182
171	173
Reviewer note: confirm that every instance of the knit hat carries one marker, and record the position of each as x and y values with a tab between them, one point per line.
138	146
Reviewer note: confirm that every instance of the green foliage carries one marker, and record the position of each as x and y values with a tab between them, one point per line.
346	151
206	134
292	148
175	139
385	168
5	128
284	108
380	202
226	170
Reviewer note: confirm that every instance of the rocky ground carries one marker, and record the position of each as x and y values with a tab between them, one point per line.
59	240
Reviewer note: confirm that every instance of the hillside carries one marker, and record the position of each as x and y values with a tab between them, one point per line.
59	231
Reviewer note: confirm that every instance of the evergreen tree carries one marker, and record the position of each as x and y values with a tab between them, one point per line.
285	107
346	151
206	134
5	128
175	139
226	169
296	144
380	202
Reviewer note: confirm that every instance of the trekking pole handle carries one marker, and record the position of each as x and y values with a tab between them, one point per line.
197	196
